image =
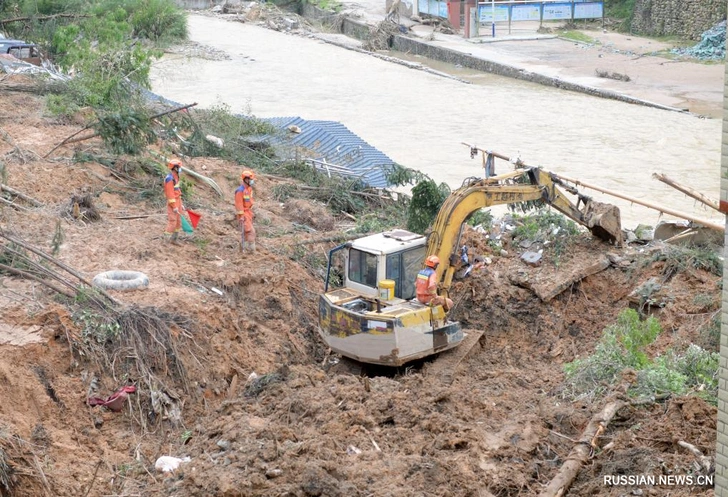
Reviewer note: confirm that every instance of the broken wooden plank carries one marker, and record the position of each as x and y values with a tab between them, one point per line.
548	287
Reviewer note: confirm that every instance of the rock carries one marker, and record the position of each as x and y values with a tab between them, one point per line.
531	258
273	473
644	233
290	23
165	464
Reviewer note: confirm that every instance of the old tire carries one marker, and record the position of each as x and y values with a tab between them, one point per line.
121	280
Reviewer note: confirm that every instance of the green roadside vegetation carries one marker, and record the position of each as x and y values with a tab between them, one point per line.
621	11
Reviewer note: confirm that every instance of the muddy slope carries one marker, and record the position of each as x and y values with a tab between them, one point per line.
306	423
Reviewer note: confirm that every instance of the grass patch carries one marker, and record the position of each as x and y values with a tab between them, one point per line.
578	36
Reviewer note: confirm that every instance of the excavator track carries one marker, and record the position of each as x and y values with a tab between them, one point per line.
446	365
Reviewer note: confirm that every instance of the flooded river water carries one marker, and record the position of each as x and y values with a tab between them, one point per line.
420	120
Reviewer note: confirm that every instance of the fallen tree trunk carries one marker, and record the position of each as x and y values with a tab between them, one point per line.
687	191
13	205
581	452
25	197
42	18
24	274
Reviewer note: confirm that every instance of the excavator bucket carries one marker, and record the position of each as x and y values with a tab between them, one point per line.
604	221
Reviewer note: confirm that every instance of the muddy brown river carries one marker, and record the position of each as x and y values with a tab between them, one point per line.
420	120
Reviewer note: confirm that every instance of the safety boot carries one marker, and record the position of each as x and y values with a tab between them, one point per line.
251	246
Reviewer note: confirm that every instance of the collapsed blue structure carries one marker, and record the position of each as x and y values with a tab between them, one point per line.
330	147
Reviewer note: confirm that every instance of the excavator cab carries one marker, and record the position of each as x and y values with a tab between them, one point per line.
374	317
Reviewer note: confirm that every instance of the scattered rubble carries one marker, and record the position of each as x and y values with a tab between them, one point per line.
711	45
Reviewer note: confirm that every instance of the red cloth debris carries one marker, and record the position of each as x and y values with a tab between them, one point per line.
116	401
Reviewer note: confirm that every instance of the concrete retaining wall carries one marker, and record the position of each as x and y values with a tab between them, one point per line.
684	18
355	29
416	47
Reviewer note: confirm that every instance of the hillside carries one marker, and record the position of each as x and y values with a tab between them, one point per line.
307	423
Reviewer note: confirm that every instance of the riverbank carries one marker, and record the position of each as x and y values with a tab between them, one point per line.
612	65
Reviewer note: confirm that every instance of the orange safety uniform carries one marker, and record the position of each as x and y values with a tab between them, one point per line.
426	289
244	211
173	193
426	285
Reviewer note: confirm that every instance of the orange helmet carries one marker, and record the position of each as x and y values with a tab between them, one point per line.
432	261
247	174
172	163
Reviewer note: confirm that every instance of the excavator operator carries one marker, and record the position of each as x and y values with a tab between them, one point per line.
426	285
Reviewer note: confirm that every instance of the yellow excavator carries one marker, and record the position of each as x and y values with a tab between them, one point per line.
375	318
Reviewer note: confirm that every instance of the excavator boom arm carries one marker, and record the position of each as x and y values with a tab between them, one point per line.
446	229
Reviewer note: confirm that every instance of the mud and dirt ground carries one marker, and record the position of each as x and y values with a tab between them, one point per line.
311	424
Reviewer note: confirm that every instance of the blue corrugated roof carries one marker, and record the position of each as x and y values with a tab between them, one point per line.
333	143
327	141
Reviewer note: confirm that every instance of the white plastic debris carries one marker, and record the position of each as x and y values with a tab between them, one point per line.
353	451
214	139
253	376
217	291
165	464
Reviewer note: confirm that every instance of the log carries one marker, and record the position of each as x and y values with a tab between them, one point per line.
29	276
13	205
582	451
59	264
25	197
688	191
706	463
42	18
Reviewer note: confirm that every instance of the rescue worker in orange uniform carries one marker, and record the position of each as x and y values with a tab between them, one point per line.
173	193
426	285
244	210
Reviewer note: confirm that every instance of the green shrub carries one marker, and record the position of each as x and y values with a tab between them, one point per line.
481	217
427	198
621	346
659	377
159	20
679	258
127	131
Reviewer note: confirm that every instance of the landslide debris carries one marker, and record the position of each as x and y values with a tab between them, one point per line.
227	345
